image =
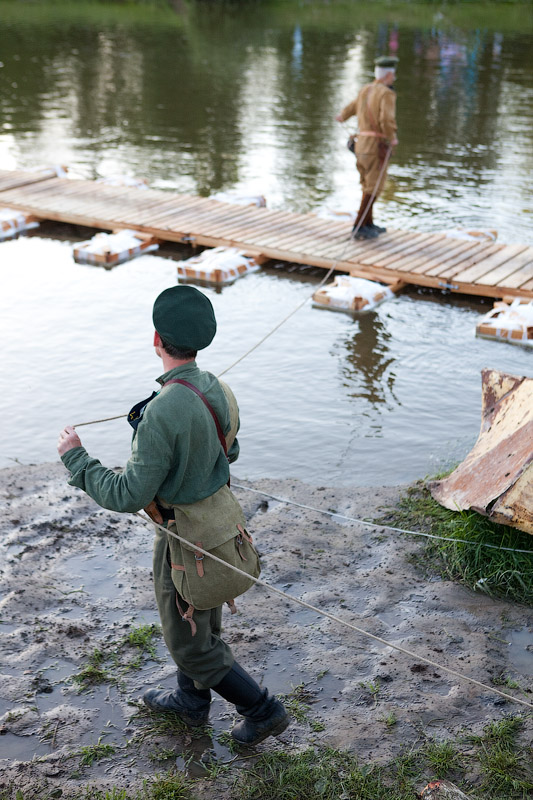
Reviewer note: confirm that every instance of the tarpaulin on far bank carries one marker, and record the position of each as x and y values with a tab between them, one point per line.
496	478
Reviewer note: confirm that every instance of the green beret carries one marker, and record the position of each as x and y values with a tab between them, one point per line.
184	317
386	61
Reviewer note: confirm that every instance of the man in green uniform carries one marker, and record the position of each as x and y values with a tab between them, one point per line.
177	460
375	108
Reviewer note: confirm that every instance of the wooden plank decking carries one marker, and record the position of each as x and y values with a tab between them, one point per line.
426	259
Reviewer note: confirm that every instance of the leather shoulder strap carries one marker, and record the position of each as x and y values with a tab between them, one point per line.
209	407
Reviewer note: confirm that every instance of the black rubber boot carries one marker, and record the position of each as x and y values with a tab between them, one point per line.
188	702
366	232
263	714
363	217
370	220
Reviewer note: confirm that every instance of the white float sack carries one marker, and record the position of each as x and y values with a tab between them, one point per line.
240	199
55	171
336	215
13	222
350	294
220	265
482	235
123	180
509	322
109	249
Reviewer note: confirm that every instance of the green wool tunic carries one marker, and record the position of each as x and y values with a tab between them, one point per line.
175	455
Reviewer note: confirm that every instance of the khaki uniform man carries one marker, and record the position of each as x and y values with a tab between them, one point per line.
375	108
178	463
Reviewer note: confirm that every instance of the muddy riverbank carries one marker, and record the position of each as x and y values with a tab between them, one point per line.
76	583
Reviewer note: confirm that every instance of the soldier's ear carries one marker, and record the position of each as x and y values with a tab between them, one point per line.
157	339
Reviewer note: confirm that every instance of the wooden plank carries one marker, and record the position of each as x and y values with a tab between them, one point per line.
427	256
170	218
399	248
479	254
389	242
290	224
473	274
518	279
288	232
374	249
14	179
450	257
67	198
338	244
462	260
270	226
526	287
203	216
164	210
504	271
416	247
424	254
300	240
236	218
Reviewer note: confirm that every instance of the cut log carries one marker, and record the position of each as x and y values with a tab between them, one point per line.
496	477
442	790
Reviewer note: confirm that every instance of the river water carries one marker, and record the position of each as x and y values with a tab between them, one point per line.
202	97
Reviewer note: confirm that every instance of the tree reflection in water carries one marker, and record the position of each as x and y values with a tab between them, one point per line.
368	367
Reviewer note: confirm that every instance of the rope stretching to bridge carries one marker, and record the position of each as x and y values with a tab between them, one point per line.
298	307
374	524
332	617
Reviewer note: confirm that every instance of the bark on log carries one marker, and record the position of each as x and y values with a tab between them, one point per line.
442	790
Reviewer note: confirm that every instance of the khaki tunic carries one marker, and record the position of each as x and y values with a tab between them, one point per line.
375	108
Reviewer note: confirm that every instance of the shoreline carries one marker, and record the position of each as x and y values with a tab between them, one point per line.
76	580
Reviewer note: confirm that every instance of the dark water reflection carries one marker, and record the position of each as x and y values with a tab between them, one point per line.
368	371
204	97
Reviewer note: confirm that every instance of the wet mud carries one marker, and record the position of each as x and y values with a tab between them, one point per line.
76	580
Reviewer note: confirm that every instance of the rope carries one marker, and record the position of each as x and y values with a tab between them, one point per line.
322	282
298	307
378	524
334	618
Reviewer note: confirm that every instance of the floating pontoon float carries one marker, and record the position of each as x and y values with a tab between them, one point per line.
350	294
55	171
509	322
220	265
124	180
240	199
336	215
109	249
482	235
13	222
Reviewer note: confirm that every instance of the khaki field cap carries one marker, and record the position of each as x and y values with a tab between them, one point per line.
184	317
389	62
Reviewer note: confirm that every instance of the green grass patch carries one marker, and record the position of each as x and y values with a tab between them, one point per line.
95	752
170	786
159	723
499	573
92	673
494	765
118	658
298	703
143	637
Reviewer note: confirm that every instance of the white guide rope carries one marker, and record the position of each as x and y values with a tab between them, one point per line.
332	617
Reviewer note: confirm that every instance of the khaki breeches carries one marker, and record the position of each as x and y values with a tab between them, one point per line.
369	167
204	657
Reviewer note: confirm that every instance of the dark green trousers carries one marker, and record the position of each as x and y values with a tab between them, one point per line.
204	657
